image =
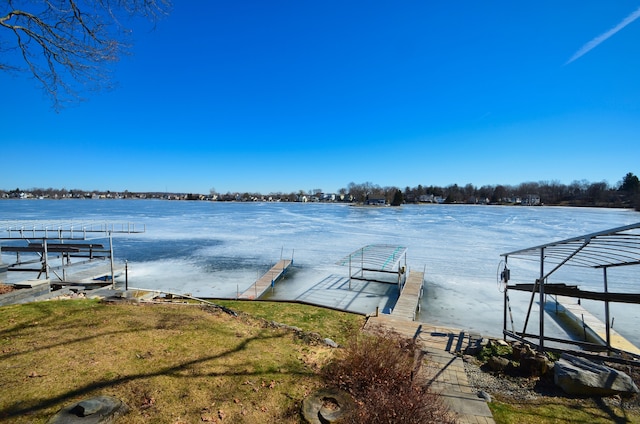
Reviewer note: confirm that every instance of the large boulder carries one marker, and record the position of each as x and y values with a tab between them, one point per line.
579	376
498	364
97	410
535	365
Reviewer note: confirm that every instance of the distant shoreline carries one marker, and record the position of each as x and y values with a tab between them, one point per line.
349	203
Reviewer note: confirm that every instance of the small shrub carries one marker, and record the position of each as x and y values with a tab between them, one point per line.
377	370
6	288
494	349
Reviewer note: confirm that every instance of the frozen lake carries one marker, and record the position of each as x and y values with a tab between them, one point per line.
215	249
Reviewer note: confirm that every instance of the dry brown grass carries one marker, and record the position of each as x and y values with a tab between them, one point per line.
168	363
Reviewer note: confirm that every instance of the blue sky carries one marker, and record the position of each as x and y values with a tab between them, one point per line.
287	95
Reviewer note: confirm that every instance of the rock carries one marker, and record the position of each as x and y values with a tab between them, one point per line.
498	363
327	406
535	365
87	407
579	376
484	395
522	350
330	342
98	410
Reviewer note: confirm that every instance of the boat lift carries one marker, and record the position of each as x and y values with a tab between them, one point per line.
43	242
600	251
377	258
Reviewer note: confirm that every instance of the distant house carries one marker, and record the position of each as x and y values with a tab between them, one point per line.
531	200
375	201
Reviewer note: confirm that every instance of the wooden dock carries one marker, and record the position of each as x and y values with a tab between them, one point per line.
409	300
258	288
593	327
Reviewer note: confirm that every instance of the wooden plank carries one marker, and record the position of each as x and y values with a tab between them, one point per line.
596	328
258	288
407	303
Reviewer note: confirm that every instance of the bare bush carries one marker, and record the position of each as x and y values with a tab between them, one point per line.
377	370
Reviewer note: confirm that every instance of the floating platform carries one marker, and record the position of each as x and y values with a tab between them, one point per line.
409	301
268	280
594	329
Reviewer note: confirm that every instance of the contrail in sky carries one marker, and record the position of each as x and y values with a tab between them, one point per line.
601	38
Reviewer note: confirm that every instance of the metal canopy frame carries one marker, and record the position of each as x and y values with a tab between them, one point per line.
378	258
616	247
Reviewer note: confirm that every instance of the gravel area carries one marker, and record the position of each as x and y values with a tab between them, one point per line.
502	387
508	389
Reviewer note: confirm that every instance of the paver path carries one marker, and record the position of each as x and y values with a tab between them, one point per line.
445	369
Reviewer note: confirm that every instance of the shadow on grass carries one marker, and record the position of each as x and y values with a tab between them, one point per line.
42	314
19	408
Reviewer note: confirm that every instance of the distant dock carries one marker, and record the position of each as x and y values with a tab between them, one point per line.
409	301
268	280
594	329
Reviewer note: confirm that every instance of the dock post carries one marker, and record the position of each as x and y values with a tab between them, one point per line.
46	258
349	272
542	277
113	280
606	310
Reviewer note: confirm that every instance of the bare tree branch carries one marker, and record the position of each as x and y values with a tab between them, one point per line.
68	45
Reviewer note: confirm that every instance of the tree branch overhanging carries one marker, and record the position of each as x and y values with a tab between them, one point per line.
69	45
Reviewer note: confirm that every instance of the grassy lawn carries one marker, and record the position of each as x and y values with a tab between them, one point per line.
168	363
561	410
337	326
187	363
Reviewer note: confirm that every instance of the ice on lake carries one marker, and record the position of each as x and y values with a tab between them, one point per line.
216	249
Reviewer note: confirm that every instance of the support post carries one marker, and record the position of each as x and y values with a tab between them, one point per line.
45	258
606	310
541	344
505	305
350	272
113	280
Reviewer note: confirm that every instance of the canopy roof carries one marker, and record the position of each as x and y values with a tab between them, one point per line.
378	257
615	247
63	230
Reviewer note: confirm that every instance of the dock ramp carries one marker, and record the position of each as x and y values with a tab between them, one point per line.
409	301
268	280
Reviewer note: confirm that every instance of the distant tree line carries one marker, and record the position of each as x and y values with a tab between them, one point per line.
579	193
625	194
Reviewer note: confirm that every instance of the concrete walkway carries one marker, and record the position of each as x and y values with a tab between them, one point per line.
444	367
